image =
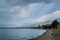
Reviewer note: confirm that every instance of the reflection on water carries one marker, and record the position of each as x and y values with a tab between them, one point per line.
19	34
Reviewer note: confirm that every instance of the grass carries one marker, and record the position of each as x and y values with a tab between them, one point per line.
56	33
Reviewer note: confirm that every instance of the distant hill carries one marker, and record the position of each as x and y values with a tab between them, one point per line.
43	23
32	25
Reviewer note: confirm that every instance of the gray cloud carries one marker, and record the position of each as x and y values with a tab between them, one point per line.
24	2
6	5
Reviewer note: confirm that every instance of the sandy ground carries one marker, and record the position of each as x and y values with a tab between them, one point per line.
46	36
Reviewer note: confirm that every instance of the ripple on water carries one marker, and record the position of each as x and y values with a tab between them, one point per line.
19	34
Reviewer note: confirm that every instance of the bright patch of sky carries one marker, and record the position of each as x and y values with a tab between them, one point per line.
17	13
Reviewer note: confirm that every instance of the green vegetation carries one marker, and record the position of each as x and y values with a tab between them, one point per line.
53	25
56	33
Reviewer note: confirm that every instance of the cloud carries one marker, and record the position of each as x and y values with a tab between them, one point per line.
23	14
11	24
12	16
9	3
44	18
55	14
20	12
26	2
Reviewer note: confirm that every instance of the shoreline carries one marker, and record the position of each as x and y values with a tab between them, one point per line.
45	36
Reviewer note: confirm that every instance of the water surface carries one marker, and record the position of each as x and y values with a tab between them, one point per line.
20	34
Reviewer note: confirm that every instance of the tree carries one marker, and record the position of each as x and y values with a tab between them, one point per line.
44	26
54	24
39	26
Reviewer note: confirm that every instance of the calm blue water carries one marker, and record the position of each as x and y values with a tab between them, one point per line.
20	34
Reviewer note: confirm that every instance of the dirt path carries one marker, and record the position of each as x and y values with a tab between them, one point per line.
46	36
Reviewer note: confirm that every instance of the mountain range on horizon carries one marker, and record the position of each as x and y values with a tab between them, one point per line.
36	24
43	23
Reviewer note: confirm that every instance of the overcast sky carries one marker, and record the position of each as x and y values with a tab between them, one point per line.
16	13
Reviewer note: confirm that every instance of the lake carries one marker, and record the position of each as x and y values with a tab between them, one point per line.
20	34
